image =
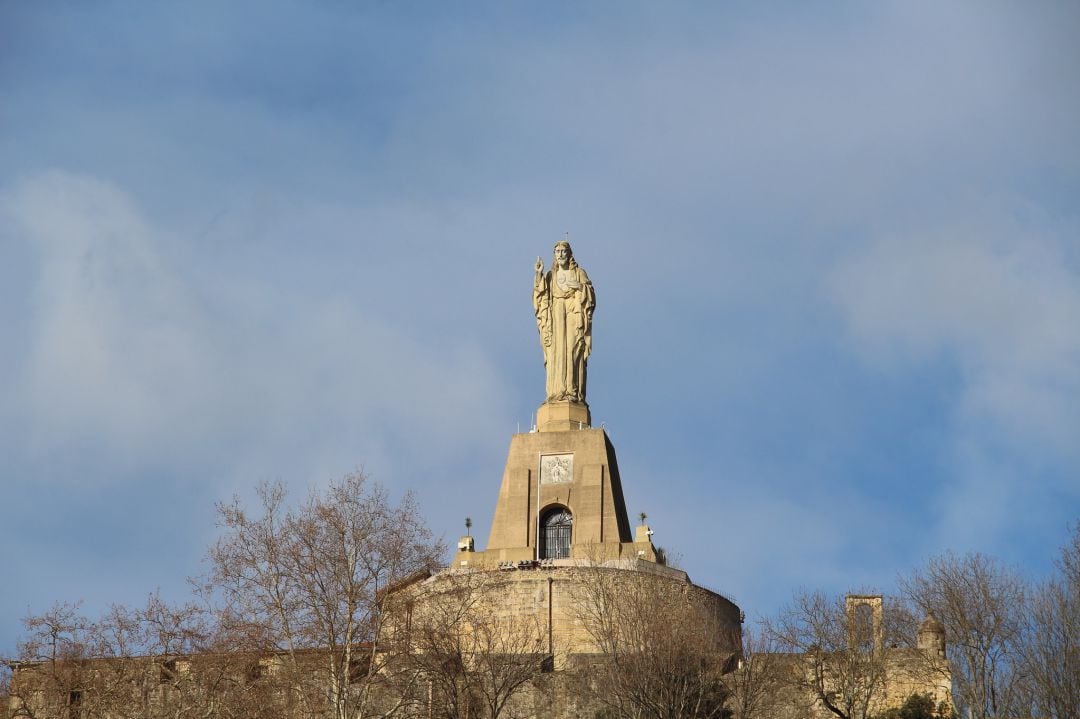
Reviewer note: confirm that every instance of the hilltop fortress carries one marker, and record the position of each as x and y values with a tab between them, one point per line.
567	611
560	512
560	535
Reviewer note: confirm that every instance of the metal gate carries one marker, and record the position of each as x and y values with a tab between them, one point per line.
555	536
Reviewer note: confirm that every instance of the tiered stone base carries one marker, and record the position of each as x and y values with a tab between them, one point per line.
563	416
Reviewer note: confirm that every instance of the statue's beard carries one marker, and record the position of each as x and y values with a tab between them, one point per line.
563	265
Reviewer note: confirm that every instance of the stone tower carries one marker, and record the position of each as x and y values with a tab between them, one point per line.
560	555
931	637
560	516
561	496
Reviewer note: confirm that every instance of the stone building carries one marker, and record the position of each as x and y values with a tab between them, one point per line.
560	513
560	528
864	676
559	534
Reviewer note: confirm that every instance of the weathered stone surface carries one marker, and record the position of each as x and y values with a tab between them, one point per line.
563	416
564	299
546	598
592	492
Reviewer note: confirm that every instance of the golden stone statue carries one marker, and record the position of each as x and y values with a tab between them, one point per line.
564	300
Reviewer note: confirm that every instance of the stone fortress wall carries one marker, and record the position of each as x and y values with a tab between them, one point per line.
904	671
548	599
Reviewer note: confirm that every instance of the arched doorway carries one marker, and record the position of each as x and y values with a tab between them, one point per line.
555	529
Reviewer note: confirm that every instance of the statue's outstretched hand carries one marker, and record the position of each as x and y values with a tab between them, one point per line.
539	266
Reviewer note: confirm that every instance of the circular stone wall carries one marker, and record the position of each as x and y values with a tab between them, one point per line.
561	602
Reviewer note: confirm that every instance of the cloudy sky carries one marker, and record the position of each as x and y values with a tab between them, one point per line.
836	251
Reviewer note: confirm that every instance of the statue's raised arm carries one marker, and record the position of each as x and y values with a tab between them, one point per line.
564	300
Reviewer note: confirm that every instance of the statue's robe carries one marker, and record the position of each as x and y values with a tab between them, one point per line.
564	319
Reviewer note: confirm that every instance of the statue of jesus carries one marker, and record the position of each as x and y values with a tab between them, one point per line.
564	300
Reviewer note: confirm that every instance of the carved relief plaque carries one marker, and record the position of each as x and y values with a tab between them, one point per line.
556	468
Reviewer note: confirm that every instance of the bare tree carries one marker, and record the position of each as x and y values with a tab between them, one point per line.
838	658
473	659
5	686
306	584
115	667
53	654
982	606
661	652
1050	648
157	661
755	687
291	621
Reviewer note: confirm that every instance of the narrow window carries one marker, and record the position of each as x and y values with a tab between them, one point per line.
556	525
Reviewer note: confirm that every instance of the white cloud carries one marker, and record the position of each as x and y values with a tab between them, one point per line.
129	353
117	348
999	305
994	298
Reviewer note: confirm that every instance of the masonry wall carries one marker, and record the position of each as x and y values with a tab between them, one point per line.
548	597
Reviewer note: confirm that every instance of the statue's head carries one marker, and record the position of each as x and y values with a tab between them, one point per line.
564	256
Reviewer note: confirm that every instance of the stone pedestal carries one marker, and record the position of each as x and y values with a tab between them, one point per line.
574	470
563	416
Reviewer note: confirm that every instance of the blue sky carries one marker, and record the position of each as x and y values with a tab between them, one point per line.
836	251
